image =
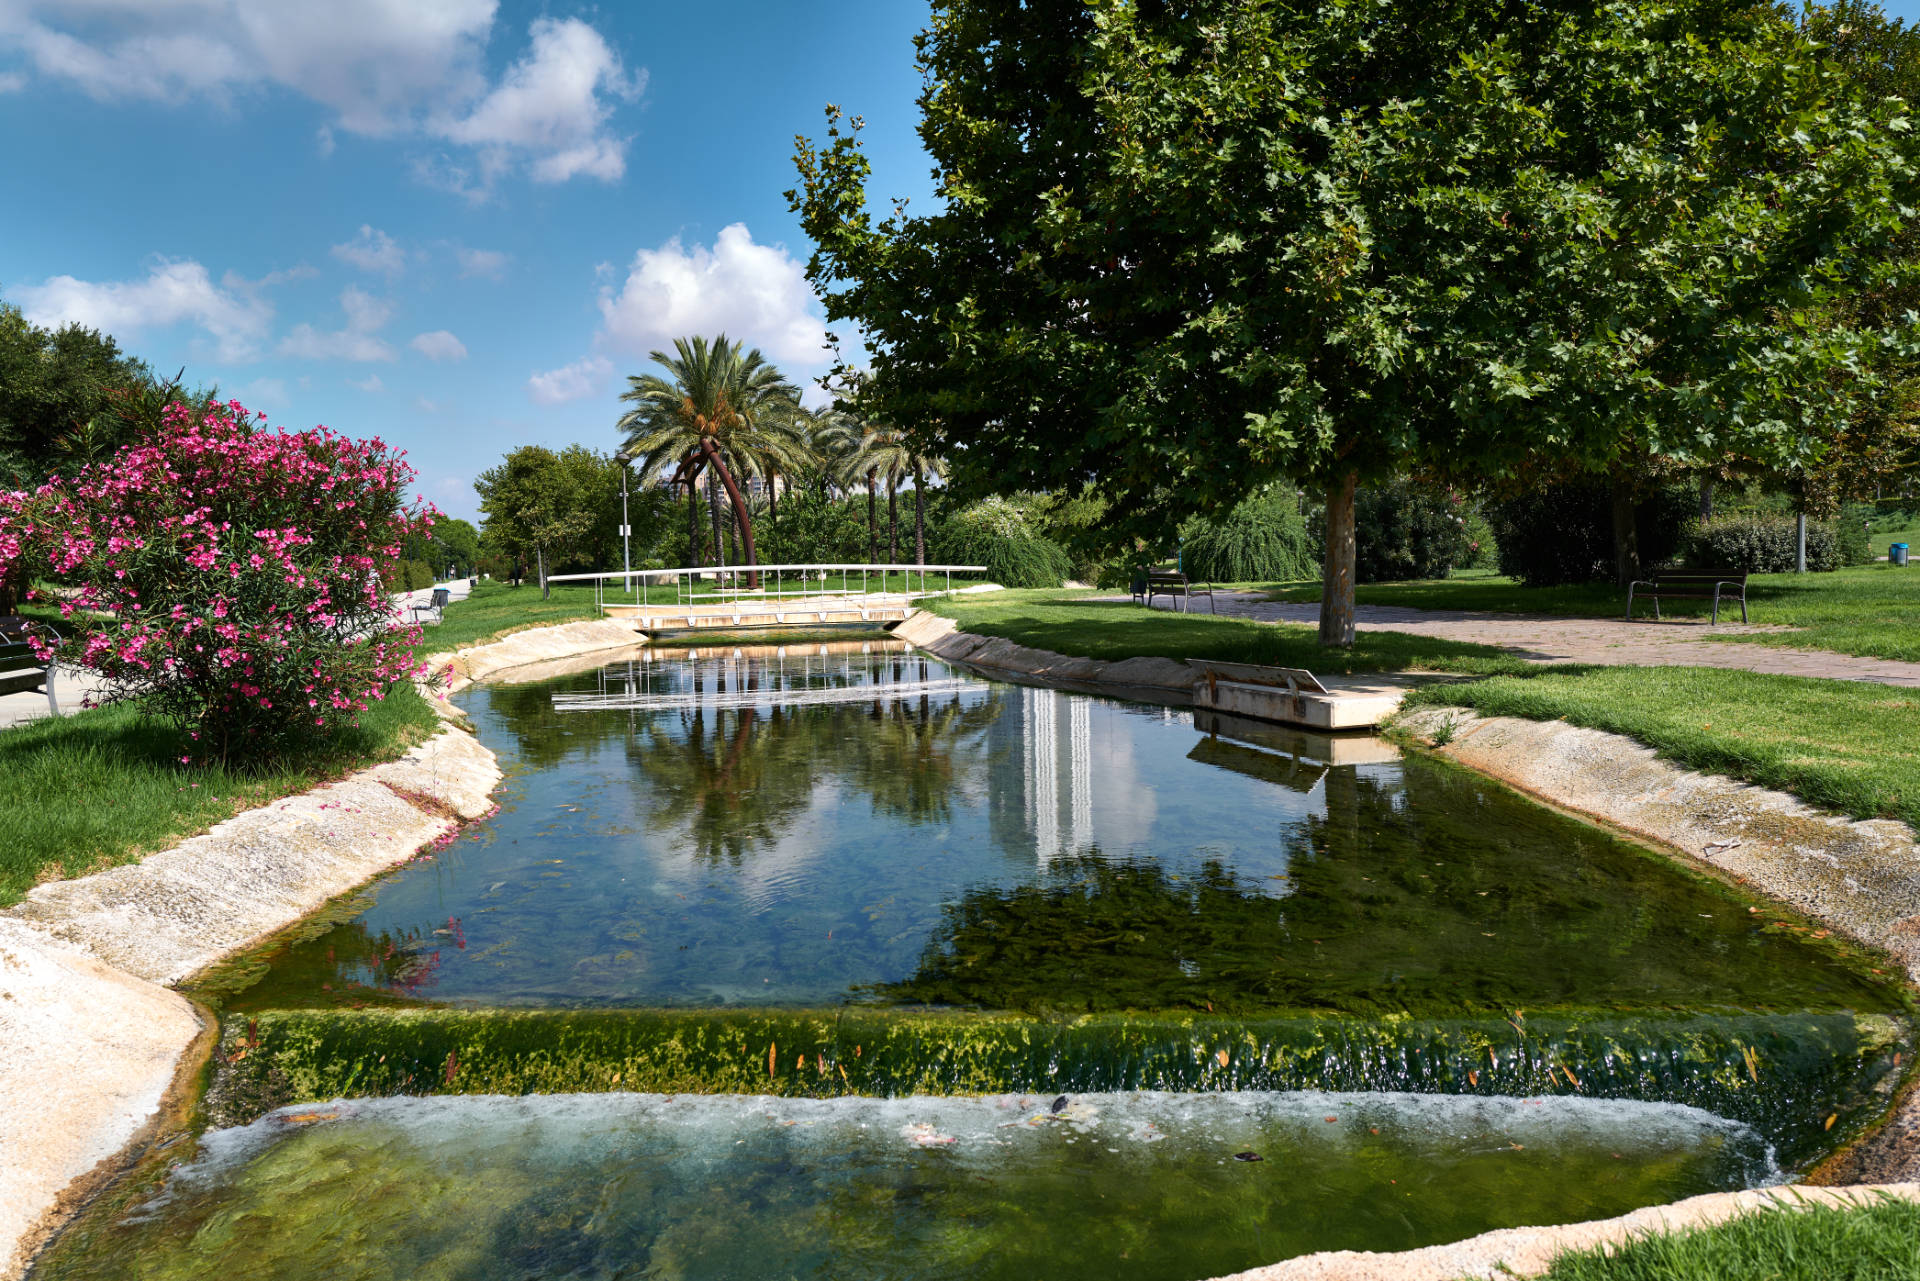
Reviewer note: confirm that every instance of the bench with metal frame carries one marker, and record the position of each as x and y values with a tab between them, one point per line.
433	604
22	670
1148	583
1715	585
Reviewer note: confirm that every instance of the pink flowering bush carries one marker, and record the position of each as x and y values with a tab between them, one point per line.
228	576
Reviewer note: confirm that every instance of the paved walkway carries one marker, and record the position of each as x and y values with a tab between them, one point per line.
71	687
1548	639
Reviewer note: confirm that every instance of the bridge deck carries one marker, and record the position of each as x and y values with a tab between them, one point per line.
792	611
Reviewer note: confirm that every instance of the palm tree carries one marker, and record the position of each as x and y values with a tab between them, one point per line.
888	452
722	409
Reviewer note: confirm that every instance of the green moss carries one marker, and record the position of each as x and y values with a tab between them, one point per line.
1786	1075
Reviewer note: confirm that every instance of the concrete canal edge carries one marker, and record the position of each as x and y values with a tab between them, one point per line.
96	1048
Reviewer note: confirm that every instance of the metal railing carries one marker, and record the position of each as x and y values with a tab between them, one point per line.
727	584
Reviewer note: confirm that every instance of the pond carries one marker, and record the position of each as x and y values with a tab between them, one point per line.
756	932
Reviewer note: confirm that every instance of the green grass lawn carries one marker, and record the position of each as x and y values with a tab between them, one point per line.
1869	610
99	787
1071	623
1878	1243
1846	746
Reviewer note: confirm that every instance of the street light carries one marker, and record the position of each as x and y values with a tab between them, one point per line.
626	530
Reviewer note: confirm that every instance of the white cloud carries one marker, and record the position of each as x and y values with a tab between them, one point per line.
12	82
426	406
381	68
550	105
358	341
756	294
265	393
232	313
439	345
490	263
577	381
323	141
373	250
370	384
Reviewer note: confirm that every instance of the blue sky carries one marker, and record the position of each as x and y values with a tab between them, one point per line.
453	224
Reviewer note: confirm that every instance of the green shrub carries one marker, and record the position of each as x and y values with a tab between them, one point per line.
1762	545
995	533
1850	528
1404	531
1262	540
1482	551
1564	533
815	530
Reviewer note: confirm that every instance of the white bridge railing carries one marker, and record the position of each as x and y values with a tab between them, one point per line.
728	584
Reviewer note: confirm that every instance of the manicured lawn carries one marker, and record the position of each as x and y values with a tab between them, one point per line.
1878	1243
1070	623
83	792
1847	746
1870	610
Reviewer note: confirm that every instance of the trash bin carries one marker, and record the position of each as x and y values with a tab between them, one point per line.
1897	554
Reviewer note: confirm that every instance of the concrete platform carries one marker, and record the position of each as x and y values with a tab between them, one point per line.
1293	696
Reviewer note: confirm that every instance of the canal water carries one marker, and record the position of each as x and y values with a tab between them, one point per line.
831	960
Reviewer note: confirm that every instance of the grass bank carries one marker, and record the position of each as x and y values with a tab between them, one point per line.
1847	746
494	609
1869	610
83	792
1073	624
1876	1243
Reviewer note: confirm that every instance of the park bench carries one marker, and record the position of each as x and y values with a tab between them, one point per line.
1715	585
1148	583
21	669
433	604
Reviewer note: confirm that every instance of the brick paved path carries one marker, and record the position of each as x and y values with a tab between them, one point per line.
1546	639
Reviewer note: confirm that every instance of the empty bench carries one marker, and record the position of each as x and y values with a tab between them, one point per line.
1170	583
1715	585
433	605
22	670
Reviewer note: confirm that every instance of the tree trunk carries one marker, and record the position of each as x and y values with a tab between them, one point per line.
1626	535
1336	579
873	529
893	520
919	519
693	520
773	500
739	510
540	553
1706	500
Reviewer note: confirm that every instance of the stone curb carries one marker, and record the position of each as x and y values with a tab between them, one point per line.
1528	1252
942	637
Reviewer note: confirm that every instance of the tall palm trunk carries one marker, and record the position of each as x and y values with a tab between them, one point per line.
873	530
919	518
739	507
893	520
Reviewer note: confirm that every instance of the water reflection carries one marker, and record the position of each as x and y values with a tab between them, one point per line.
805	827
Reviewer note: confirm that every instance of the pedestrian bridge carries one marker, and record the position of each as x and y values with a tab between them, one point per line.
773	597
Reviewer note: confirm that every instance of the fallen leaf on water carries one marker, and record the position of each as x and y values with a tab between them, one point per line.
1517	1147
1223	1056
1830	1121
1473	1078
1248	1156
1332	1119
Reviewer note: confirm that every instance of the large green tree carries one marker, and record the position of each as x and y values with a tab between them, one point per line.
1185	248
543	507
68	397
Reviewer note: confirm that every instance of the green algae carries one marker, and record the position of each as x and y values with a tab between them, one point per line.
1802	1080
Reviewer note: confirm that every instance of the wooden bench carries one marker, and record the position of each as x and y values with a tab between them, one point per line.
21	669
1692	584
1148	583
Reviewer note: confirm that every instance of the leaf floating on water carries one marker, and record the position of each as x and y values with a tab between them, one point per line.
1518	1147
1248	1156
309	1118
771	1047
1830	1121
1223	1056
1473	1078
1330	1120
1059	1105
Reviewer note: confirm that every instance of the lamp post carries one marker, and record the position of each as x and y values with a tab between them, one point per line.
626	530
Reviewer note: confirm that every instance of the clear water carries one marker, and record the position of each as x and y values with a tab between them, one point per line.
1137	1185
819	829
856	871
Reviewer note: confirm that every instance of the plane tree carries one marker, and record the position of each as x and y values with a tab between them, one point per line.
1182	249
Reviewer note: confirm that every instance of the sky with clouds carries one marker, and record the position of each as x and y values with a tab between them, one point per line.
455	224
